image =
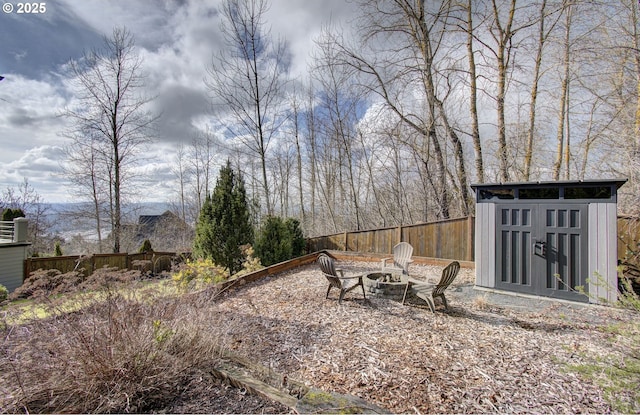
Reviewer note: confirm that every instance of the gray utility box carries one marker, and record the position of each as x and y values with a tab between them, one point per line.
548	238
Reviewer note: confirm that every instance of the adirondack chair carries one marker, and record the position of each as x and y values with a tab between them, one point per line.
425	291
401	259
341	282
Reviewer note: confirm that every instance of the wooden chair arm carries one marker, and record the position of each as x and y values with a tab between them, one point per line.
427	282
351	277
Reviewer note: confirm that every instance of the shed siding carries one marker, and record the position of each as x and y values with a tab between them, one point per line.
603	248
485	245
12	265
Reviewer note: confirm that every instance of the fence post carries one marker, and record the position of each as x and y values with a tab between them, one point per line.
398	235
27	269
471	236
20	229
346	247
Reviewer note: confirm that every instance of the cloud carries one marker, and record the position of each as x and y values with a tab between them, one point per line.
301	23
33	45
177	40
28	112
41	167
179	107
38	160
147	19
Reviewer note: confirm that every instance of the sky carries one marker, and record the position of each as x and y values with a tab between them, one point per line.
176	40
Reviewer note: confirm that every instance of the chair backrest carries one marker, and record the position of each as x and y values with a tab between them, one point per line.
449	273
328	268
327	265
402	253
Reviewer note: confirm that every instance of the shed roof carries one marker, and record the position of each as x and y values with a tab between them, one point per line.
557	183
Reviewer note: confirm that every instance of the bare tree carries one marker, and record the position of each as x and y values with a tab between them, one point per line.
296	115
340	100
543	35
29	201
618	86
402	41
562	133
201	156
110	115
248	79
473	92
182	173
85	169
310	122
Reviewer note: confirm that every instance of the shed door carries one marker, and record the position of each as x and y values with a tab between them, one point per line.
542	249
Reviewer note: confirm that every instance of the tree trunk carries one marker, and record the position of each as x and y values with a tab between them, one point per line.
528	156
473	100
504	38
562	105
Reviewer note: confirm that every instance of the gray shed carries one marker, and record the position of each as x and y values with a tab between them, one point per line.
548	238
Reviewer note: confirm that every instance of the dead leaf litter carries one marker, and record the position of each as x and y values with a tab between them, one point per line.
476	357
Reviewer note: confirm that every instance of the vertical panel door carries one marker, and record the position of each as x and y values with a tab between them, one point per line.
560	251
541	249
514	233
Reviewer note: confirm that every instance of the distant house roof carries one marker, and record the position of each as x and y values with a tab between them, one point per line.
148	224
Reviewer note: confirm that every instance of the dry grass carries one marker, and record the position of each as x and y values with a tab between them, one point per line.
123	354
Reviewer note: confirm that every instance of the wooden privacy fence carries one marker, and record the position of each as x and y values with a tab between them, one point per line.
628	235
448	239
150	261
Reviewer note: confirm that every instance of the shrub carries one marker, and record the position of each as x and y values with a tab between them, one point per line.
4	293
198	273
43	283
251	263
106	277
121	355
298	242
57	249
279	240
273	244
11	214
145	247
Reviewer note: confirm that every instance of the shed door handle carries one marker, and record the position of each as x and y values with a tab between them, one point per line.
540	248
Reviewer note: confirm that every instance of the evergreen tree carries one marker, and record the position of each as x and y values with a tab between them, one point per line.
11	214
279	240
145	247
57	249
273	244
224	224
298	242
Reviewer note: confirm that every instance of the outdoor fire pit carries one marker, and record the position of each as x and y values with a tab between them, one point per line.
385	285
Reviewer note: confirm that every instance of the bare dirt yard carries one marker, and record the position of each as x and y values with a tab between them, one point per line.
487	353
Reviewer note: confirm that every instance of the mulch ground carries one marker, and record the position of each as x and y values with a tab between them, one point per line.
478	356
